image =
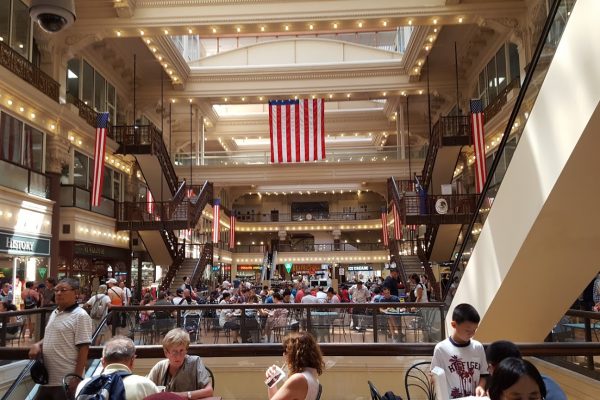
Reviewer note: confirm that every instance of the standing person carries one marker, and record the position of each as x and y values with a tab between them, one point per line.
116	300
31	299
360	294
461	357
66	341
118	355
98	306
126	293
392	281
6	294
48	292
305	362
181	373
420	292
500	350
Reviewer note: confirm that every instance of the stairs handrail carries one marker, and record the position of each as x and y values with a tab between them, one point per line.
207	253
502	145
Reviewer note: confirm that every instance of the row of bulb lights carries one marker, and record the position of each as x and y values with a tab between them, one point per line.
106	234
9	214
301	192
305	228
29	114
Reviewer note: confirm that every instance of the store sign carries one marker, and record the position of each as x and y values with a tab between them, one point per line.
288	267
341	271
42	271
359	268
215	268
24	245
98	251
248	267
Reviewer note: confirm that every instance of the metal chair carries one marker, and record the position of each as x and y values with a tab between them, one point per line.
212	377
374	393
417	379
319	392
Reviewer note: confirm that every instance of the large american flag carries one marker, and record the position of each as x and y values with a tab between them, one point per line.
232	230
384	228
397	223
216	215
478	143
297	130
99	153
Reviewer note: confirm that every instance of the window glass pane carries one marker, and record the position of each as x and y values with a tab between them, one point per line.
513	61
73	77
117	186
226	44
80	170
107	186
4	20
33	149
19	40
100	93
10	138
111	100
501	69
208	47
482	88
247	41
492	87
87	85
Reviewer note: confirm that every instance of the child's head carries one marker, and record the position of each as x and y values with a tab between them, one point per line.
465	320
516	378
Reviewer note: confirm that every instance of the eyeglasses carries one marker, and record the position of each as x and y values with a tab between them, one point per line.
177	352
62	290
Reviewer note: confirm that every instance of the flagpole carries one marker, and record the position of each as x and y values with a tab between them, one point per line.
162	120
170	128
408	139
429	116
134	120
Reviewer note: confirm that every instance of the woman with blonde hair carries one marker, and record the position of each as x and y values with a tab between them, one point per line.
304	361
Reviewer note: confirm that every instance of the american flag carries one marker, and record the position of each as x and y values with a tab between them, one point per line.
232	230
99	153
397	223
478	143
149	202
297	130
216	215
384	228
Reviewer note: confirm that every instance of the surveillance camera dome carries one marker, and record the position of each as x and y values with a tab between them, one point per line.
53	15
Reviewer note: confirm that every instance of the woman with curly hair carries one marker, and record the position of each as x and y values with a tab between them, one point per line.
304	361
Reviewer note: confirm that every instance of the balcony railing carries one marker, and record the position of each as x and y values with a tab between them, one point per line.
316	247
310	216
24	69
364	154
74	196
86	112
24	180
144	139
500	101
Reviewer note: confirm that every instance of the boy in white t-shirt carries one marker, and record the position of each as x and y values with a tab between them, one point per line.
462	358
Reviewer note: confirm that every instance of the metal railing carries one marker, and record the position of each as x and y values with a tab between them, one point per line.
24	69
309	216
500	101
75	196
521	109
318	247
25	180
147	138
86	112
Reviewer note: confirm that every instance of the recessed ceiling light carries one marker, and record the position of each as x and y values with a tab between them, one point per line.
360	24
410	22
119	33
384	23
190	31
384	93
214	30
331	96
311	27
166	31
460	20
225	99
335	26
142	32
287	28
238	29
435	21
262	28
348	95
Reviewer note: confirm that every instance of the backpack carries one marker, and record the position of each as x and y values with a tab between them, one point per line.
104	387
98	308
30	302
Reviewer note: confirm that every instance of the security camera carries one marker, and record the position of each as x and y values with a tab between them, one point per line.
53	15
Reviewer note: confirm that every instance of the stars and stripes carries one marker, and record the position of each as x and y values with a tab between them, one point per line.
232	230
216	216
297	130
384	227
149	202
397	223
477	123
99	153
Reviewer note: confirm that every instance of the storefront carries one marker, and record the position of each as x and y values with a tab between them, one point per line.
93	264
360	273
23	258
250	273
143	271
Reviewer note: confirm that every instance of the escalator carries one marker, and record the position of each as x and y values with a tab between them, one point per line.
532	244
176	205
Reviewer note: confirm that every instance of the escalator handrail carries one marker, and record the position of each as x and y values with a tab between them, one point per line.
511	120
7	395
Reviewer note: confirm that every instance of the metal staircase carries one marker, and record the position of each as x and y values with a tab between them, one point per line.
206	259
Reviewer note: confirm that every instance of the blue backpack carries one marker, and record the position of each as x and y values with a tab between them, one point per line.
104	387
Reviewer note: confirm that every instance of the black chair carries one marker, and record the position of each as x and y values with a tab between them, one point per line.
417	379
212	377
319	392
374	393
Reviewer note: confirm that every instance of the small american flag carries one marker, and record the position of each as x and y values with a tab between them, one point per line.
99	153
232	231
478	143
216	215
384	228
297	130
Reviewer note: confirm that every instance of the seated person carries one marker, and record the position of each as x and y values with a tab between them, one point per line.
276	317
181	373
515	378
118	355
227	318
502	349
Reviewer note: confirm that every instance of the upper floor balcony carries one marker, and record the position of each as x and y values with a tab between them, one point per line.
23	179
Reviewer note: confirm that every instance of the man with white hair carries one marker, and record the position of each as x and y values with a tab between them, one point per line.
118	356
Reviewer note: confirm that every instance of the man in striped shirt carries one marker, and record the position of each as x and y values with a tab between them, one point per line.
66	341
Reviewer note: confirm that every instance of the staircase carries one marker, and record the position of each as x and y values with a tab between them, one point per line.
186	269
412	265
206	259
